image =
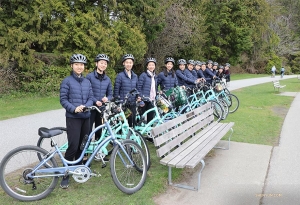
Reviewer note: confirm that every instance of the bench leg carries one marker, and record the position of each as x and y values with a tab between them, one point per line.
228	142
186	186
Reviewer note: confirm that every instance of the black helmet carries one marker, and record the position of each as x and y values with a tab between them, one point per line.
209	62
181	61
78	58
215	64
169	59
227	64
102	57
192	62
148	60
127	56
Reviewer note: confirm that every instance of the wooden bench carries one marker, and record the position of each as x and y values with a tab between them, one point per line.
277	85
183	142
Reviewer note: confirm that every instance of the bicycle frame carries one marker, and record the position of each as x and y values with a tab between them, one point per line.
61	171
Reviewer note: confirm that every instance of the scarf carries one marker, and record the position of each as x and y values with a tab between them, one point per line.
152	90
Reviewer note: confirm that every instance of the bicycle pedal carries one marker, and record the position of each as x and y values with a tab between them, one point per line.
103	166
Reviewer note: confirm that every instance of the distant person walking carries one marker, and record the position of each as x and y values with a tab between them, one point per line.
282	72
273	70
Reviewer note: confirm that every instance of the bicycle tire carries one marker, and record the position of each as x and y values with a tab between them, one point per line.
225	107
234	103
123	175
13	169
142	144
218	110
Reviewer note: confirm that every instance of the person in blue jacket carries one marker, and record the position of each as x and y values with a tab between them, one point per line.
125	82
214	68
102	89
209	75
190	67
147	86
76	94
167	78
199	71
185	78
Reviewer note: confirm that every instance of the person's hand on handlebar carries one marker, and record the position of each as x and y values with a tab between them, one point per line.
79	108
99	103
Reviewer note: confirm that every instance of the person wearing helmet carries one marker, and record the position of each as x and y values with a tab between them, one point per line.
199	71
210	64
147	86
185	78
227	72
190	66
102	89
214	67
167	78
125	82
208	74
75	94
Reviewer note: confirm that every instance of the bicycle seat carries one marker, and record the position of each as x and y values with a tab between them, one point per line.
47	133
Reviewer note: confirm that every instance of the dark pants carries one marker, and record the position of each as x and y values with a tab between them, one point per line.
131	119
77	128
97	119
150	115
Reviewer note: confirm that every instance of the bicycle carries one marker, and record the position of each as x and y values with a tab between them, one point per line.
119	125
25	177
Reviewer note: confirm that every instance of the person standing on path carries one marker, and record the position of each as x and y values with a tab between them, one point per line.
76	94
102	90
282	72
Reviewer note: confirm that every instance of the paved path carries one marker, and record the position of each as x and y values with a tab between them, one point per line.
241	175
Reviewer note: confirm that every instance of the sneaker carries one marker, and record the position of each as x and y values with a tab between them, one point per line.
65	182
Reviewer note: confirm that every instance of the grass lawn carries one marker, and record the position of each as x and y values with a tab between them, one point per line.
258	120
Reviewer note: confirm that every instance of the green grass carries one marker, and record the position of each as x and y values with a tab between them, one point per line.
239	76
258	120
261	113
16	105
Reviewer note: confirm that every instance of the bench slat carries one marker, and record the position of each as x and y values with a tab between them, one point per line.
169	124
180	160
197	158
185	126
182	147
183	136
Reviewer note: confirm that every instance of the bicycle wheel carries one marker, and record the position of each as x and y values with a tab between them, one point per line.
138	138
225	107
125	175
234	103
218	110
16	165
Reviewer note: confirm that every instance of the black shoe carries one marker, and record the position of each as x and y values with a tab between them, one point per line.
65	182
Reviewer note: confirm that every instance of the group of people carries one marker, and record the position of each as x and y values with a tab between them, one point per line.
77	91
273	71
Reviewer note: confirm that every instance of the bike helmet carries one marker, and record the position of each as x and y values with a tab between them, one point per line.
78	58
198	63
227	64
209	62
221	67
215	64
181	61
148	60
127	56
169	59
192	62
203	63
102	57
